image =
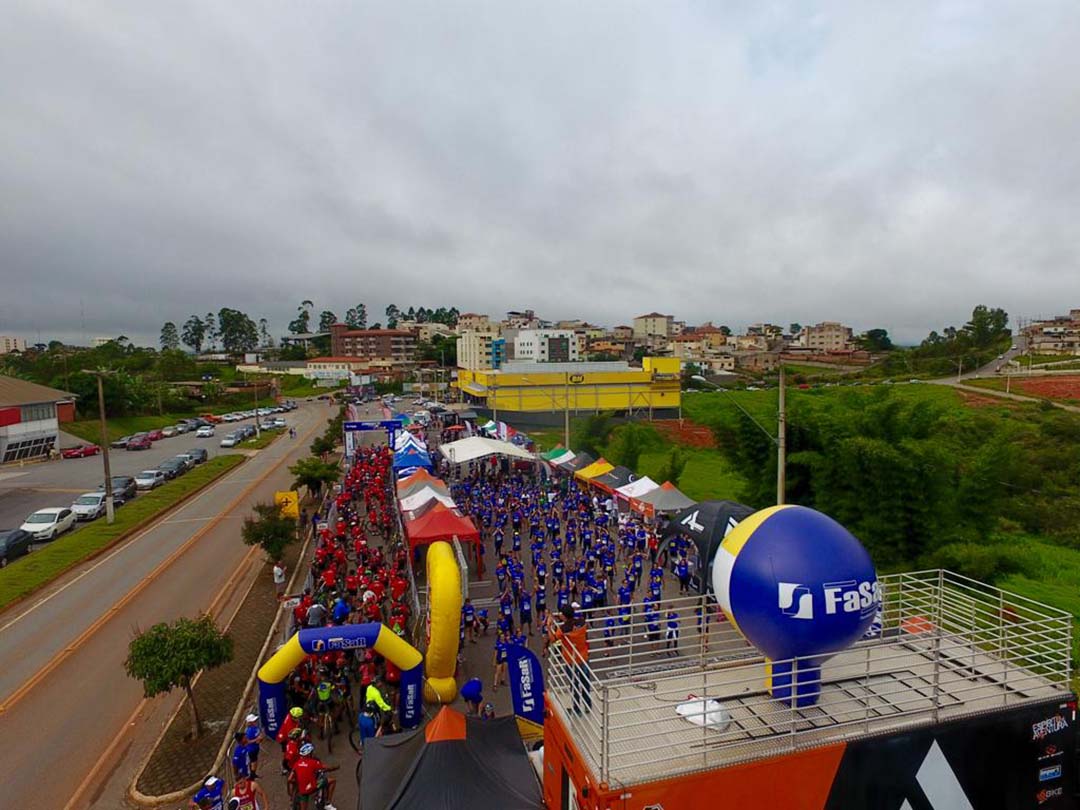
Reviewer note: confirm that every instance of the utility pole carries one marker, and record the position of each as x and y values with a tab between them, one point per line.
781	443
566	410
258	431
110	511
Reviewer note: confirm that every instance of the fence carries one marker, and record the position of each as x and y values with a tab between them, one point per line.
948	647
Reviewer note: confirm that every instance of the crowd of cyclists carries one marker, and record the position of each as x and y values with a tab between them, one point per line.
358	574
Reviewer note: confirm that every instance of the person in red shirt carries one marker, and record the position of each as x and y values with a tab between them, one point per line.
352	583
329	577
248	795
308	775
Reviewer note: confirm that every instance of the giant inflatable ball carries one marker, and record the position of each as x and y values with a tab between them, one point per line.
795	583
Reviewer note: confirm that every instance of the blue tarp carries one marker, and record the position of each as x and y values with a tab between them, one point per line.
412	457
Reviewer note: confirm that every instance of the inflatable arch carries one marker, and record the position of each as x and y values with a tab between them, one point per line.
444	593
273	674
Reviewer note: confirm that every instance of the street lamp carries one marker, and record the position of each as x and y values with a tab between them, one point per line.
780	439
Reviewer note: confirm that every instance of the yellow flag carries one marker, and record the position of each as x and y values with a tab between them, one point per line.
288	503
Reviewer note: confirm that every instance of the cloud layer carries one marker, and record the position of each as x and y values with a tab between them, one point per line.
882	164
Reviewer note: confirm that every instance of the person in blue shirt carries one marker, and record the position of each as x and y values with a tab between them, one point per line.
502	642
240	764
498	538
609	631
563	597
587	597
468	616
211	796
525	610
341	610
254	737
652	620
671	637
517	541
557	570
682	571
541	574
472	692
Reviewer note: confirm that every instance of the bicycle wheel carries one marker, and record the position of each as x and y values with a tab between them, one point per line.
356	743
329	734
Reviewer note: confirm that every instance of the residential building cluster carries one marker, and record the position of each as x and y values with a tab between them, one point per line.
1059	334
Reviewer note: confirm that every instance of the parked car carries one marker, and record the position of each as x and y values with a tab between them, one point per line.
155	435
186	459
172	467
141	442
149	479
120	443
89	506
213	418
82	451
123	488
50	523
13	543
198	453
205	432
230	440
168	432
181	427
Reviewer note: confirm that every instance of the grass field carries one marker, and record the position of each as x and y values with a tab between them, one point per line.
263	440
29	573
820	371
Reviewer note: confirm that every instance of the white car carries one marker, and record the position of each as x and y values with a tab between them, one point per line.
48	524
205	432
229	441
89	506
149	479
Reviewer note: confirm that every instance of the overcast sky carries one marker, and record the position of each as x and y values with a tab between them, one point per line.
880	163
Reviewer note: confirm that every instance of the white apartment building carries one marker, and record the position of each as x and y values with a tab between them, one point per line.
11	344
547	346
480	351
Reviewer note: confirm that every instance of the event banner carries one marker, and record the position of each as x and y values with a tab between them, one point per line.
526	683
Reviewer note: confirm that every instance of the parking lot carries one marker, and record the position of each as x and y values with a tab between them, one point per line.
24	490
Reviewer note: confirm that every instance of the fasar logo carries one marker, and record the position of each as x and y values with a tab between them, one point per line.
796	600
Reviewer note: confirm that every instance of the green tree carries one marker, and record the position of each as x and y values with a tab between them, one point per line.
590	434
174	364
392	315
323	446
238	333
356	317
673	467
211	335
194	332
269	530
795	328
314	473
876	340
170	338
168	656
293	351
629	441
264	333
326	320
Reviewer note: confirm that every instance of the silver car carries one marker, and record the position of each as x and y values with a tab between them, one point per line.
89	506
149	479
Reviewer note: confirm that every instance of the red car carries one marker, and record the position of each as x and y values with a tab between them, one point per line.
139	443
82	451
155	435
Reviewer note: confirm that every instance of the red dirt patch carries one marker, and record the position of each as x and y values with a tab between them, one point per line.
687	433
1066	387
985	401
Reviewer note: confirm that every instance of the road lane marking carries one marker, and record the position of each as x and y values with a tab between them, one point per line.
98	623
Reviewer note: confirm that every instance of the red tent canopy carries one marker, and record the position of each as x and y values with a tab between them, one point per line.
440	523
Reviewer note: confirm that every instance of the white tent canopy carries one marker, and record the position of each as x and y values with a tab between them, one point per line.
565	457
476	447
403	440
635	489
418	499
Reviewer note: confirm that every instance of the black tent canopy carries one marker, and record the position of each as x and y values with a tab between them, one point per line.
453	762
616	477
707	523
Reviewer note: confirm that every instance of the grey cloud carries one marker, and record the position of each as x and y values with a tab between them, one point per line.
883	164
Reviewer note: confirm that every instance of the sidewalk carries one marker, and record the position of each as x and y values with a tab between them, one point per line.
177	763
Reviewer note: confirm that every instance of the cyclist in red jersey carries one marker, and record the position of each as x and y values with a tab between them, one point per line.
309	774
248	794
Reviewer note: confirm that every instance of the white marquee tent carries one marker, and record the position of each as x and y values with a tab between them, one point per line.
475	447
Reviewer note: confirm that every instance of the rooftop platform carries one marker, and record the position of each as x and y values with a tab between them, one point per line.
949	647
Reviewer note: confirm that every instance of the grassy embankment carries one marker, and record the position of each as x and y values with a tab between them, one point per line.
36	569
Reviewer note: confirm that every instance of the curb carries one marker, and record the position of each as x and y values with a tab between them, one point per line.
223	750
120	538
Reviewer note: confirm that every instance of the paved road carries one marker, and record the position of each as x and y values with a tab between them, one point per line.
63	693
24	490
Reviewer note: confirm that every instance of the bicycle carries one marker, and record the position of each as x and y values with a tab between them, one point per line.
326	724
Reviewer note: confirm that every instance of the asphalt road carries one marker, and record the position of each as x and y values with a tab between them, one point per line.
80	722
24	490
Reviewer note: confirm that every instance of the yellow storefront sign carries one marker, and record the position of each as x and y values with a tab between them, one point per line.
288	503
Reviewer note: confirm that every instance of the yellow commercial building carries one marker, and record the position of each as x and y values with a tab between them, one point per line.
519	390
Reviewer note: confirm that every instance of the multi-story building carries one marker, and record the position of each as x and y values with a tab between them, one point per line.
712	336
1059	335
30	416
11	344
521	320
827	336
653	323
547	346
398	345
480	351
472	322
426	332
623	333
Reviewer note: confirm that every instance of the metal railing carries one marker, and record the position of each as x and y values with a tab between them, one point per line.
645	706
